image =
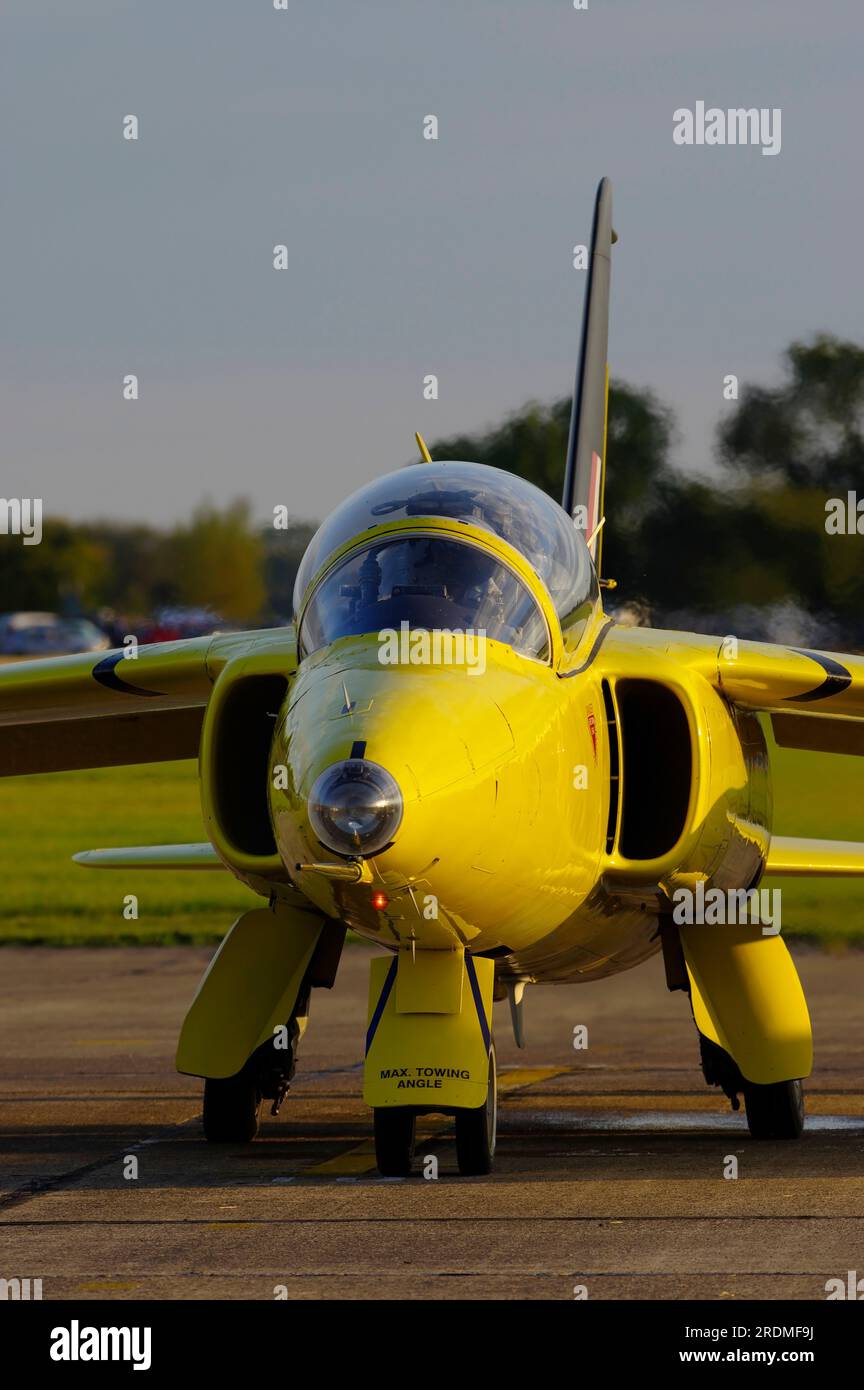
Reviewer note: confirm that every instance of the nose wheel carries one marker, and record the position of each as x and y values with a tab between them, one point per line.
476	1130
395	1127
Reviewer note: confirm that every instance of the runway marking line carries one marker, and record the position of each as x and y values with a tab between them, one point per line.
685	1102
514	1079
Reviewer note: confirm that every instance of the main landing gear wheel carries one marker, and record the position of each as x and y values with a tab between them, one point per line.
394	1139
476	1130
775	1111
231	1107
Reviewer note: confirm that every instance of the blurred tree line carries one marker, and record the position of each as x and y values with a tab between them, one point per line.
722	553
748	544
219	559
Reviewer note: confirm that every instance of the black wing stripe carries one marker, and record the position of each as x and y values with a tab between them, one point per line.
106	675
837	678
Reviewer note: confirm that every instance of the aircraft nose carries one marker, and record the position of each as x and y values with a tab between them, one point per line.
355	807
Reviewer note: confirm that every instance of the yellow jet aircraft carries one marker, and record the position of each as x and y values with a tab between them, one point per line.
455	753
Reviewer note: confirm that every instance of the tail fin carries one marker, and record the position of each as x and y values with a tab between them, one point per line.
585	475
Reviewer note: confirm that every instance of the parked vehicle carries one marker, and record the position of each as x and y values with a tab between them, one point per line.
48	634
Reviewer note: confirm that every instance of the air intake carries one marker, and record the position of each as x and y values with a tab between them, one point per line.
614	767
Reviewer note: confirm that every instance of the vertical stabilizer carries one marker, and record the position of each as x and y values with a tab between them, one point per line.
586	447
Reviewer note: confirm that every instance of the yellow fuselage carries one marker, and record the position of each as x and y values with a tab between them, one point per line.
504	776
497	846
513	839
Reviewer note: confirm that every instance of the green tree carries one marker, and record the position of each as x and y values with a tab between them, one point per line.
533	443
797	445
218	562
809	431
639	481
67	570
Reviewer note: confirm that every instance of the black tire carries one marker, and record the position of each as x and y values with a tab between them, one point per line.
775	1111
395	1127
231	1108
476	1130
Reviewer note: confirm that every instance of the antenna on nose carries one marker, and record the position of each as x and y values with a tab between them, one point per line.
421	445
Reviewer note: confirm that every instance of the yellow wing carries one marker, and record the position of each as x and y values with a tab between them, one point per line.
800	858
815	699
195	856
791	680
109	709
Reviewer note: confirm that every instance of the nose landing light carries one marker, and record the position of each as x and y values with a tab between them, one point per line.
355	807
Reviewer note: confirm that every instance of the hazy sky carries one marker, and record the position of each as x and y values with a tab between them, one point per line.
406	256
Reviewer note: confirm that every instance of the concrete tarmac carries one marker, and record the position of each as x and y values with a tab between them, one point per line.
609	1172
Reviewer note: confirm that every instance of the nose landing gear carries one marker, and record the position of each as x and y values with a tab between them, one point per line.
476	1132
429	1040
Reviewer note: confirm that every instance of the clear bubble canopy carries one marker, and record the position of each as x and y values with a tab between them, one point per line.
489	498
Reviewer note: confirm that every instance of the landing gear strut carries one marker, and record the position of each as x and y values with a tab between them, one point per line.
232	1104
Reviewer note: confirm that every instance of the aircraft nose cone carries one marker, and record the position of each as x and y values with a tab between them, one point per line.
355	807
